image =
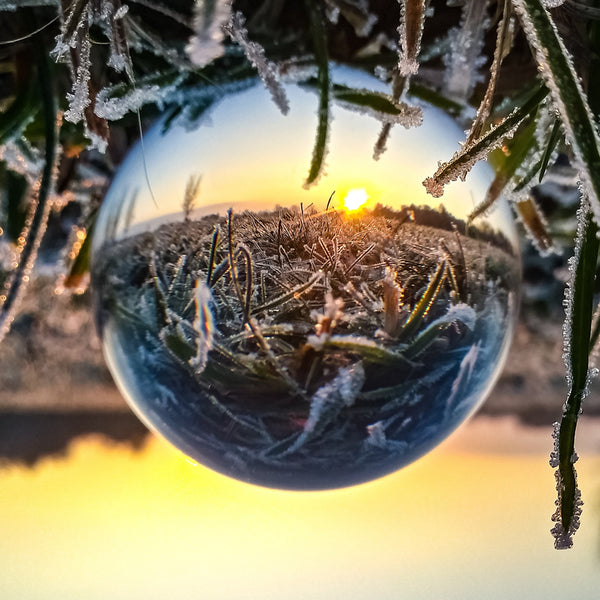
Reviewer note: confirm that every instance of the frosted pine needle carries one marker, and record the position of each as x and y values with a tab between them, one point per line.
255	53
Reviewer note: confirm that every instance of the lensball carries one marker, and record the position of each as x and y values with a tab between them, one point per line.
302	335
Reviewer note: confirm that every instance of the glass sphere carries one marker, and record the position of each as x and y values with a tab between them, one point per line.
301	336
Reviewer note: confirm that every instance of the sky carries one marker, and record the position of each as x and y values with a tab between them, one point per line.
250	156
468	521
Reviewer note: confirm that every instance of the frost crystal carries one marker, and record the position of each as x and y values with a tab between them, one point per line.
377	438
462	162
115	108
563	539
412	19
79	98
466	45
207	42
554	455
582	215
465	373
558	81
111	17
329	400
552	3
256	55
408	116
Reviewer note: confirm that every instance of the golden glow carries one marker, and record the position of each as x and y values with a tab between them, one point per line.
355	198
164	528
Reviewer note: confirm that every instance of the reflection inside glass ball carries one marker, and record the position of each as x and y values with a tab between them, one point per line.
294	336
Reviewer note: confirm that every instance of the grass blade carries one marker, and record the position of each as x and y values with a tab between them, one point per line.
504	39
320	49
411	32
462	162
414	320
552	141
522	144
534	222
579	297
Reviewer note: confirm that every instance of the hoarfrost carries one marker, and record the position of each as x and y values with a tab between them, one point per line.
115	108
552	3
563	536
462	162
377	438
563	539
329	400
554	455
582	215
504	40
408	116
556	87
206	44
465	373
255	53
412	19
121	12
70	32
459	312
204	326
117	33
79	97
466	45
97	142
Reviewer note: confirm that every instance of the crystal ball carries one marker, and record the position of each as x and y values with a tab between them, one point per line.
290	311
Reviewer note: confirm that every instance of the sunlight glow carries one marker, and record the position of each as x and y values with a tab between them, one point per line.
355	199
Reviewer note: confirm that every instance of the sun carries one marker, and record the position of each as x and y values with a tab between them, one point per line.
355	198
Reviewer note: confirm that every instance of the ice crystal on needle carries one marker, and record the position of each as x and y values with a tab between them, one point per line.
412	20
256	55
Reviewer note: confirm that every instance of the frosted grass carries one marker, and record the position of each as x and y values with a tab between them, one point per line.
556	69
